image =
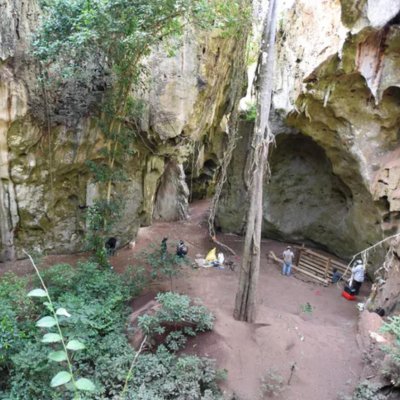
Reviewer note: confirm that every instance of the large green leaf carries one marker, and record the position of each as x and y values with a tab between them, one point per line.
60	379
85	384
58	356
51	338
75	345
37	293
63	311
46	322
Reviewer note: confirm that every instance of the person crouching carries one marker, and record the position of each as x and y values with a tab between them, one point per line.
181	249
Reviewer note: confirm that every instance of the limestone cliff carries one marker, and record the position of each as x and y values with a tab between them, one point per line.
46	139
335	176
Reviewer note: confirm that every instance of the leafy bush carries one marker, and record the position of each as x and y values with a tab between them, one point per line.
177	317
97	301
163	264
364	391
391	369
13	294
166	376
100	218
271	384
306	308
15	312
177	307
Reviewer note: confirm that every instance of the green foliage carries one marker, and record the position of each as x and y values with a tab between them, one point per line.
86	41
163	264
178	315
176	340
177	318
163	375
253	49
91	308
177	307
121	31
13	294
272	384
306	308
96	302
63	354
251	112
100	219
391	369
15	325
365	391
11	336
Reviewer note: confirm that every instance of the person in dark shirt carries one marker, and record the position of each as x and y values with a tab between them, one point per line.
181	249
164	248
336	276
111	245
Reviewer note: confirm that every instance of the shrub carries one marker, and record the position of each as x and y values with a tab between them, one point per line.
179	316
97	301
15	324
163	265
166	376
271	384
391	369
306	308
364	391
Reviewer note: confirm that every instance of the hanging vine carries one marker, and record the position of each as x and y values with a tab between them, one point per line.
239	68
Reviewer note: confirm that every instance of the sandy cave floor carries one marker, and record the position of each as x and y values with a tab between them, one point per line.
323	344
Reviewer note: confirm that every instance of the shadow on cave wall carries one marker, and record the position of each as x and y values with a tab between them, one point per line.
304	201
202	184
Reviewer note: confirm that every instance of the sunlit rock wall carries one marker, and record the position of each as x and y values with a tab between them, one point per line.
45	183
337	82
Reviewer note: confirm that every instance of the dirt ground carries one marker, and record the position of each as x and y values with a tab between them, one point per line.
321	344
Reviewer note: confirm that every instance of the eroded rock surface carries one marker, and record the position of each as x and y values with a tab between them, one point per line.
46	139
337	82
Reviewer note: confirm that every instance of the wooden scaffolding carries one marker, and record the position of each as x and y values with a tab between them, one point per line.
316	266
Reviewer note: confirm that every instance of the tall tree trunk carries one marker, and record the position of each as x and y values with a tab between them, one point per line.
245	304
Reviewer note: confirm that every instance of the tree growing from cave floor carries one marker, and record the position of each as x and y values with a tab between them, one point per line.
245	303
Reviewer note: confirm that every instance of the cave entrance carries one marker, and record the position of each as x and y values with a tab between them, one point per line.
201	180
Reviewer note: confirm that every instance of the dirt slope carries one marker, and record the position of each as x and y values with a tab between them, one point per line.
321	344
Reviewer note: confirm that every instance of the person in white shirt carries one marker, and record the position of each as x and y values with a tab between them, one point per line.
357	276
287	261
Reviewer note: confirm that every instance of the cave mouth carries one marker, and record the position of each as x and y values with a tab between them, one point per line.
201	183
304	200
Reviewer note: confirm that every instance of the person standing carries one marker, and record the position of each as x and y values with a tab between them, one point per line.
164	248
357	276
288	256
336	275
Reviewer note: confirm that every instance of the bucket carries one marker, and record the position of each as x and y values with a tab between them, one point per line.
348	296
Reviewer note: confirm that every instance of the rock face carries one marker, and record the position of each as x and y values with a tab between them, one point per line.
385	293
45	182
335	177
335	171
304	200
172	194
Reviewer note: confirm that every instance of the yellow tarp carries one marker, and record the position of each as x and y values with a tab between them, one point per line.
212	256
